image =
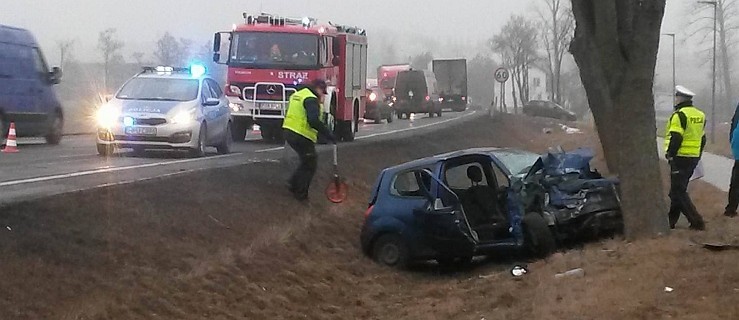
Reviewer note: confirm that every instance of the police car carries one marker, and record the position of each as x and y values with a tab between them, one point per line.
166	108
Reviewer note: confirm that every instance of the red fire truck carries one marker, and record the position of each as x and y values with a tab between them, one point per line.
270	57
386	77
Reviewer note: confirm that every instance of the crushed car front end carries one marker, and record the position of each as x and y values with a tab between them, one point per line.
579	202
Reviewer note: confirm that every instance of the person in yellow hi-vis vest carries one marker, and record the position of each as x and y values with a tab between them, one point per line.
684	142
302	125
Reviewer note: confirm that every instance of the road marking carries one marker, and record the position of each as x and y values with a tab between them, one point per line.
415	128
167	163
388	132
109	169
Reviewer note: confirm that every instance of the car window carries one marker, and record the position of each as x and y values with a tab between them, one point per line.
456	177
408	184
517	163
160	89
205	92
39	64
215	89
500	177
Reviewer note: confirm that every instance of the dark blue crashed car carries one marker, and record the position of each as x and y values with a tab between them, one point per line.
455	206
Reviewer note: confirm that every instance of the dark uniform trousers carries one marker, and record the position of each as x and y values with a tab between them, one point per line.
681	169
734	189
303	175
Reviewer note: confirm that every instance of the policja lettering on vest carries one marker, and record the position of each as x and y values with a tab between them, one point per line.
684	142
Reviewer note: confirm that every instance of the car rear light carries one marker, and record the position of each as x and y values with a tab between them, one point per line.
369	211
464	98
428	98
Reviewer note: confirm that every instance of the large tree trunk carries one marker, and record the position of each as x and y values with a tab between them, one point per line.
615	47
725	63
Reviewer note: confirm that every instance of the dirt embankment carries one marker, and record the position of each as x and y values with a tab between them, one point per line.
231	244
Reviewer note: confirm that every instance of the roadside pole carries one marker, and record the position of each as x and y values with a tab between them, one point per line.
501	75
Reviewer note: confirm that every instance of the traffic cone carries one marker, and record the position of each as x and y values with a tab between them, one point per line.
11	145
255	130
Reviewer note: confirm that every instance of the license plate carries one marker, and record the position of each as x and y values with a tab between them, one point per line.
270	106
141	131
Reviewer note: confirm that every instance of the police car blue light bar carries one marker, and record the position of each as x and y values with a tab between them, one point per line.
196	70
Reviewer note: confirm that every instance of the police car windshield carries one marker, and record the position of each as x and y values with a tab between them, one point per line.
266	50
160	89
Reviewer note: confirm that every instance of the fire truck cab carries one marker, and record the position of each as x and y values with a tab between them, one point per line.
271	57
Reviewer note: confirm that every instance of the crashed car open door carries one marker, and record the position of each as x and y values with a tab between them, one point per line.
444	227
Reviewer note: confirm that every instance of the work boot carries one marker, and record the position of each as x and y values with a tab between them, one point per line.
698	226
730	214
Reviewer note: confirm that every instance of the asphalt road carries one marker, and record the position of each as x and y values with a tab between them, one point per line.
40	170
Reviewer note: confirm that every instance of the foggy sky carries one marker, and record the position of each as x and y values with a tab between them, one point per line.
141	22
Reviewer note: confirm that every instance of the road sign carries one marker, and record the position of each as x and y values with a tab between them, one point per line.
501	75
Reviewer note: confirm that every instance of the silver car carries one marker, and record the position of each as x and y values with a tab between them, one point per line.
166	108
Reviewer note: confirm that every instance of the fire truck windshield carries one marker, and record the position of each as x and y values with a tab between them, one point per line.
273	50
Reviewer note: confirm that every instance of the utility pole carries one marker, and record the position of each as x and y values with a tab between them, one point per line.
713	76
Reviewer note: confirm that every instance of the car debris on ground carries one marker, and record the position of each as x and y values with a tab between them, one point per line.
574	273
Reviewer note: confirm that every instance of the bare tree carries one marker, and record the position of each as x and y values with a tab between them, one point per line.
138	57
170	51
558	26
422	61
615	47
727	23
110	48
517	45
66	47
481	80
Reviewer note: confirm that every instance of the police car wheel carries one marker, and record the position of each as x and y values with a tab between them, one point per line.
199	150
225	147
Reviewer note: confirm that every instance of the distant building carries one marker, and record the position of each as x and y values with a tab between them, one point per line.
537	85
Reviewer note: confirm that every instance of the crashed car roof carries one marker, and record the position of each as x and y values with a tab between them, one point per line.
450	155
575	159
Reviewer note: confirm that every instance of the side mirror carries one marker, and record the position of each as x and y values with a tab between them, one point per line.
212	102
55	76
217	42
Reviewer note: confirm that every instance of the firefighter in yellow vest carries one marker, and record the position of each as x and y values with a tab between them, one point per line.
684	143
302	126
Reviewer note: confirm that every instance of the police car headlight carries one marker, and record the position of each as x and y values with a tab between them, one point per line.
106	117
184	117
236	107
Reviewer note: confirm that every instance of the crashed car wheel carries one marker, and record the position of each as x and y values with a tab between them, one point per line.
391	250
538	238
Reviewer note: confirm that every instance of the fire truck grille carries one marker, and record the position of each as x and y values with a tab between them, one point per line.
262	91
